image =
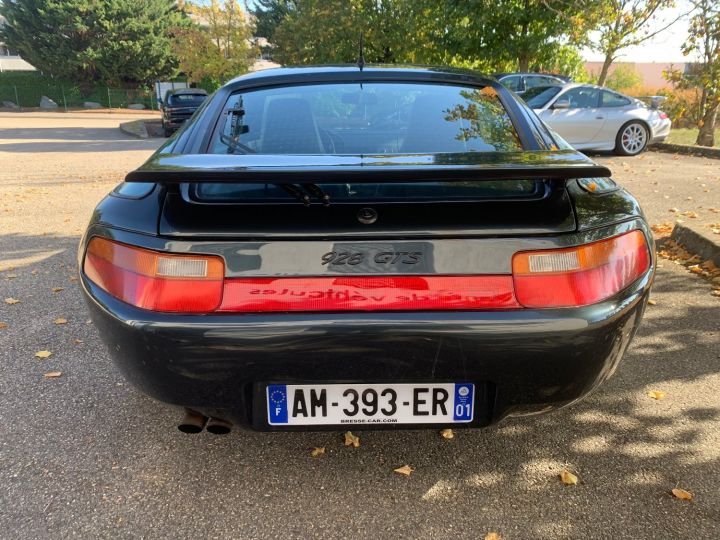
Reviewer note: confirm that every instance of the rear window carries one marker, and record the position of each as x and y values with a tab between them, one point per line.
370	119
187	100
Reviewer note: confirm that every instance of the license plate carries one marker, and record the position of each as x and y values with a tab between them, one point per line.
323	404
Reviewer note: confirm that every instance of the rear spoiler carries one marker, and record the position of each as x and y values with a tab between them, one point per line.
298	169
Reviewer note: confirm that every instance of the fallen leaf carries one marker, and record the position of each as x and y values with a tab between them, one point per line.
52	374
317	451
656	394
10	276
405	470
60	321
351	440
493	536
652	302
682	494
12	301
57	289
3	325
690	214
78	341
674	210
663	228
568	478
43	354
447	433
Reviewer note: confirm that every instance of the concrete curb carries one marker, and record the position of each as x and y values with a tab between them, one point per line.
136	128
686	149
697	242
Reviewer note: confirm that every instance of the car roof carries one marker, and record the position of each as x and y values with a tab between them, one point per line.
524	73
353	72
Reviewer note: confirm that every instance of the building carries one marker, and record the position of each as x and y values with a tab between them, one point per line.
651	73
10	60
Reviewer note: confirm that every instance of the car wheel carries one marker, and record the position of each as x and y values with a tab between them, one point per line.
631	139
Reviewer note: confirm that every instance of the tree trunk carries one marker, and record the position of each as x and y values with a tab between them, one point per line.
523	63
706	135
605	69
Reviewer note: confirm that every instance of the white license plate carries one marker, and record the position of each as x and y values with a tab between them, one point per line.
320	404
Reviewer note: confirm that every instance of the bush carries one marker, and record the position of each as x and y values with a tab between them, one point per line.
682	106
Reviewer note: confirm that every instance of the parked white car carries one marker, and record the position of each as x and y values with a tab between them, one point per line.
590	117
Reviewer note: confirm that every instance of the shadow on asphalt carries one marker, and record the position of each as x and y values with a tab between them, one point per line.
107	442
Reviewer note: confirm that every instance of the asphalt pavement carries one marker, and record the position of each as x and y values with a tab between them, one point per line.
84	455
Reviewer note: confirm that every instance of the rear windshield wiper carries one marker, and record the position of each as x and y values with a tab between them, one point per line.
236	146
302	196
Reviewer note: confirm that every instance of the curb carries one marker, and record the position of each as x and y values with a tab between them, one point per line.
136	128
686	149
697	242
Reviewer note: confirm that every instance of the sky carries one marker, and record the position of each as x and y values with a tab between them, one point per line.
665	47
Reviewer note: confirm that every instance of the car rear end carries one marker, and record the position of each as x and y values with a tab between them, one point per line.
419	276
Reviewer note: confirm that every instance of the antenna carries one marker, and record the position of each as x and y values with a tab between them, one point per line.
361	58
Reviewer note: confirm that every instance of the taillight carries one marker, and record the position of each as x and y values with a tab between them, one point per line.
154	280
662	115
580	275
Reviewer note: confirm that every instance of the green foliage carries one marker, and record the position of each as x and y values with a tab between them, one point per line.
623	76
268	15
216	47
119	42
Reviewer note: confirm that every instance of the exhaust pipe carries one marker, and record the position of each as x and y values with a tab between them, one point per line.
218	426
192	422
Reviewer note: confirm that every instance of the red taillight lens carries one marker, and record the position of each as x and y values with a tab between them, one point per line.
153	280
581	275
663	116
369	293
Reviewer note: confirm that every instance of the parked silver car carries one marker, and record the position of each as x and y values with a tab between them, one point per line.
590	117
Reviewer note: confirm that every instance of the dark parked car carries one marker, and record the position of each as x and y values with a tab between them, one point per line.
178	106
520	83
387	247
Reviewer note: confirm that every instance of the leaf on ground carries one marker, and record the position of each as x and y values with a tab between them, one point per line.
493	536
43	354
690	214
12	301
60	321
405	470
568	478
447	433
78	341
58	289
663	228
10	276
351	440
317	451
656	394
52	374
3	325
682	494
652	302
674	210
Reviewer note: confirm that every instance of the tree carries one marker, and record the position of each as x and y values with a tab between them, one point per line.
620	24
218	44
118	42
328	31
704	42
268	15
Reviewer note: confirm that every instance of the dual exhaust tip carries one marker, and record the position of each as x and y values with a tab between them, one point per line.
194	422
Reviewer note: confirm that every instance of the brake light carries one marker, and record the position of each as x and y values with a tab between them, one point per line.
154	280
662	115
581	275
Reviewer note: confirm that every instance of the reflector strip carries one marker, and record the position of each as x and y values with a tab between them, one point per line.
369	293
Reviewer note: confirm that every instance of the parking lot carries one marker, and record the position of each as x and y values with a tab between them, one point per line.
85	455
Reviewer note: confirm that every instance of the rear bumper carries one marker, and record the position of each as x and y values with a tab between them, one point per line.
524	361
661	131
